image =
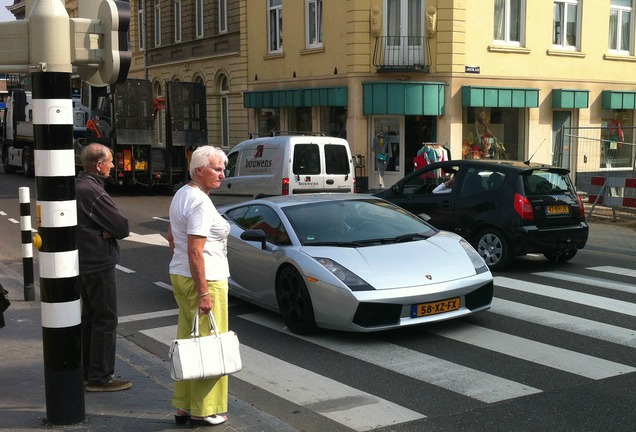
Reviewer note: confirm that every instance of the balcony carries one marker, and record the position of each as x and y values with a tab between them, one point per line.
401	54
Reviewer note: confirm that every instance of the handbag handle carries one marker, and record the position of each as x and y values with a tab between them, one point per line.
214	328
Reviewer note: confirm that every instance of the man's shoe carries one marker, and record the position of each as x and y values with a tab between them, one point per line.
112	385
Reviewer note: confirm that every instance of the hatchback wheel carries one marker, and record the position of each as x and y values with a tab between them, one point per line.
493	248
561	256
294	302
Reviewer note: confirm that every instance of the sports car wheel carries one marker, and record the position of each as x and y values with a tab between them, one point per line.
294	302
493	248
561	256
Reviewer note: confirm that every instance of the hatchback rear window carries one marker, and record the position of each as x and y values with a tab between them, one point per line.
547	182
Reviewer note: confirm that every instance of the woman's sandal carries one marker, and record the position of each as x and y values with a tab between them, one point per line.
211	420
181	417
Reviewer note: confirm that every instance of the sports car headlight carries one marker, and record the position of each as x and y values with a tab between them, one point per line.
349	278
475	258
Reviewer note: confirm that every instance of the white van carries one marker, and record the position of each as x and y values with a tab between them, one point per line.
287	165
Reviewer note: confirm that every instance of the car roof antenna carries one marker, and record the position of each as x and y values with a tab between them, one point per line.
535	152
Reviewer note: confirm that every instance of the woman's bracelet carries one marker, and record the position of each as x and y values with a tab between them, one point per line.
203	295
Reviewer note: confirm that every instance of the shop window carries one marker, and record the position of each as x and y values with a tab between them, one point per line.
268	120
300	120
616	138
493	133
333	121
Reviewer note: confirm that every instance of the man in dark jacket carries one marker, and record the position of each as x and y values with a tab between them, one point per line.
99	225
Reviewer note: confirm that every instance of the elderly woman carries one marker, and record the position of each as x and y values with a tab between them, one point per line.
199	271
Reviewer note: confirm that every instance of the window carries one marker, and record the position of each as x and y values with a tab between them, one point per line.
300	119
222	16
199	18
268	120
313	12
157	22
336	159
275	24
224	90
565	33
177	21
509	20
620	26
306	159
141	31
260	217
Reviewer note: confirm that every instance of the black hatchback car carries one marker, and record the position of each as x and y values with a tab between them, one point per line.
503	208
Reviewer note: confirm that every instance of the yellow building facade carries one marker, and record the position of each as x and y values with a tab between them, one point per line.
550	80
514	79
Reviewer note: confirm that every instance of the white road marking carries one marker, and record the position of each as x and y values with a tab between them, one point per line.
615	270
589	280
561	321
422	367
124	269
346	405
536	352
148	315
590	300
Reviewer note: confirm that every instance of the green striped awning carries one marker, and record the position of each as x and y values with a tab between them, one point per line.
619	99
298	97
403	98
567	98
501	97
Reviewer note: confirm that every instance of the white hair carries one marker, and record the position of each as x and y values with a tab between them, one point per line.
202	155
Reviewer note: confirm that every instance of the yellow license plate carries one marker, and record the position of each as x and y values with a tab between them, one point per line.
425	309
557	209
141	165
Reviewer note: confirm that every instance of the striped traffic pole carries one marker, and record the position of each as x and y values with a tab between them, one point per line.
24	195
50	42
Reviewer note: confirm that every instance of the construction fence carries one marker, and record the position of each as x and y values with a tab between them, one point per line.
602	161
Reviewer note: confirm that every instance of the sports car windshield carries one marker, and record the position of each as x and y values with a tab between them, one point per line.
353	223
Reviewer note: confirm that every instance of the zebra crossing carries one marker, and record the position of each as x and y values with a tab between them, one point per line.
361	411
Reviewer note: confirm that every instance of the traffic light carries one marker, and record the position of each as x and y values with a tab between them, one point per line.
109	61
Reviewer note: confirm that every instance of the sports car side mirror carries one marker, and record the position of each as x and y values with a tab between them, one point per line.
255	236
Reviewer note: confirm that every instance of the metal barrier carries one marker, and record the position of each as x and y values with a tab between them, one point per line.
612	192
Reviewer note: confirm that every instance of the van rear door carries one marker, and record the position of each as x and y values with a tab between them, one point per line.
321	167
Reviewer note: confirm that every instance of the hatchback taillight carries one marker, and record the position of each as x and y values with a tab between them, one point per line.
523	206
285	186
581	208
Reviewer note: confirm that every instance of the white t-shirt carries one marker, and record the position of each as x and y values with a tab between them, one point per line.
192	212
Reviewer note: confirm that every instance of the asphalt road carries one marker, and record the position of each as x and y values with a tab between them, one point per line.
555	353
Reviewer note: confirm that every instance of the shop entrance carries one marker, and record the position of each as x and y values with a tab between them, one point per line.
398	139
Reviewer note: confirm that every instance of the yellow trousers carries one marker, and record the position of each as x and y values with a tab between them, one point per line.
209	396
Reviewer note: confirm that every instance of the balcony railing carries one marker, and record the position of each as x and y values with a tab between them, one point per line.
401	54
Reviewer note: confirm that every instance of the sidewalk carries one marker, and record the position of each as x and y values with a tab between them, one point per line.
145	407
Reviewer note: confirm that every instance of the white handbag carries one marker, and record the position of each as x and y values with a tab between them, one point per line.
201	357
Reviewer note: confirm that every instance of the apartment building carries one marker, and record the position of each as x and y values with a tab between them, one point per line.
550	80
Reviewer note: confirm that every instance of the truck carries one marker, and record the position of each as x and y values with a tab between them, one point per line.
148	150
17	133
16	136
